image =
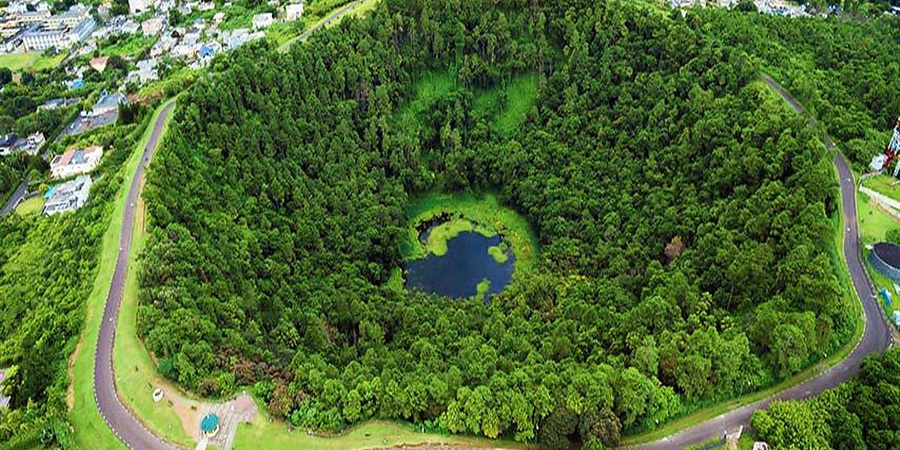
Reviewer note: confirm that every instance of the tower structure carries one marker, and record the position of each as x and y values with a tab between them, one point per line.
893	147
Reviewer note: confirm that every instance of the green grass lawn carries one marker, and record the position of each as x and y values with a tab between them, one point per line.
89	428
506	107
30	61
884	184
175	82
429	88
131	46
874	223
134	369
31	207
373	434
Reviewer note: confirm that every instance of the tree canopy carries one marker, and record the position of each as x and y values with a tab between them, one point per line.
682	211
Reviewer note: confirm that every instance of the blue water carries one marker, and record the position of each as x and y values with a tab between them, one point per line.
458	273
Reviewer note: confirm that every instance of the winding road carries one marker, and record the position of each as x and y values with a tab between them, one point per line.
330	18
876	336
14	200
128	428
123	423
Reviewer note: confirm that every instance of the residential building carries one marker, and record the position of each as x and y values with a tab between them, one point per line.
75	162
107	103
11	144
130	27
33	17
58	103
153	25
43	38
99	64
262	20
146	71
68	196
33	144
8	143
139	6
293	11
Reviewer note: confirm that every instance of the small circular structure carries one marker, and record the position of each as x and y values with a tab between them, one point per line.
210	425
158	395
885	258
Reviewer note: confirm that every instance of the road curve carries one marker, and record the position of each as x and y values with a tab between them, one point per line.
128	428
125	425
15	198
876	335
331	18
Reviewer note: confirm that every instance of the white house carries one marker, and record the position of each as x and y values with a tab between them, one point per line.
139	6
152	26
262	20
293	11
69	196
76	161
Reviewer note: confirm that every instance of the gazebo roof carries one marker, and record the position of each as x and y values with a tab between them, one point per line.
209	423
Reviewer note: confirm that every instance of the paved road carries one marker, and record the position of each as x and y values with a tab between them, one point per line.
123	424
128	428
876	336
331	18
17	196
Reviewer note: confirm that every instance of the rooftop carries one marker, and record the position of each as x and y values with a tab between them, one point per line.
210	423
889	253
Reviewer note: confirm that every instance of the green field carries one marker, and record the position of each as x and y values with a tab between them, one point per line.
131	46
371	435
31	207
504	107
884	184
874	223
484	215
89	427
429	88
507	107
30	61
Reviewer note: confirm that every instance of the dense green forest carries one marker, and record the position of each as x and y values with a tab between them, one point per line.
861	414
846	72
47	269
682	211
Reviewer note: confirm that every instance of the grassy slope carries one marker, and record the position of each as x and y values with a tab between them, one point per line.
132	46
135	374
31	207
30	61
89	427
873	224
520	92
884	184
848	295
